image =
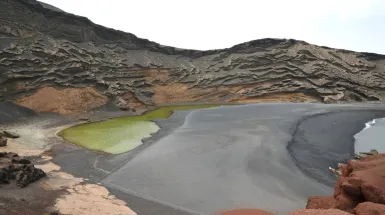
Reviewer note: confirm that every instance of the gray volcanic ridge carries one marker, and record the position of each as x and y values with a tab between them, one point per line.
47	53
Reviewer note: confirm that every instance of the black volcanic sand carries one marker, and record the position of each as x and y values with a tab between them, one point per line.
230	153
10	113
95	166
323	140
234	157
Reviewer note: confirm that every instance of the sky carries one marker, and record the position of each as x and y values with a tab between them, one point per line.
357	25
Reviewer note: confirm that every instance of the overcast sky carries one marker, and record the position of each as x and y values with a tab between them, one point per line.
212	24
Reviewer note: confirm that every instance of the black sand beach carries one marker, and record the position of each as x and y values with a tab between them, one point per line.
324	140
10	113
206	161
224	158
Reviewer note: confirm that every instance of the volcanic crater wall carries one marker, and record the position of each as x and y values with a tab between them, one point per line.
44	50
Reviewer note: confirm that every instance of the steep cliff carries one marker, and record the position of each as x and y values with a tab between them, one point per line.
46	54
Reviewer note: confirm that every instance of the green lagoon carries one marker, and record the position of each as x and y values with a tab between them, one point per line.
121	134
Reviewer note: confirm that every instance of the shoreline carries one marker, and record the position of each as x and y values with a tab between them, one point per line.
370	138
97	166
150	117
129	169
340	140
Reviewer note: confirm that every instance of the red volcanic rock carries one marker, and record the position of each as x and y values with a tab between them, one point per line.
356	165
320	202
320	212
338	186
374	157
366	182
352	186
360	190
346	203
344	170
246	212
370	208
373	184
362	183
3	141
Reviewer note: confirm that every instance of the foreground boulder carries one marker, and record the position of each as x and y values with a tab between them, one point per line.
360	188
13	167
371	208
321	202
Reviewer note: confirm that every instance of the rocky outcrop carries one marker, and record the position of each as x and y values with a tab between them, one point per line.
360	188
369	208
320	212
321	202
10	134
42	47
13	167
3	141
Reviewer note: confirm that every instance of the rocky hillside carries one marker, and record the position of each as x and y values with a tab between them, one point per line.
55	61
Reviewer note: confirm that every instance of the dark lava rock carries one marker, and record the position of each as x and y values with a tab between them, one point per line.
17	167
43	47
20	160
28	175
4	177
11	155
85	119
13	167
54	213
3	141
10	134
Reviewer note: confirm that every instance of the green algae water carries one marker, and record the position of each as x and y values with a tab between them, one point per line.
121	134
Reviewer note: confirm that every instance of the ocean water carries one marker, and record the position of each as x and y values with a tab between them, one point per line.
371	137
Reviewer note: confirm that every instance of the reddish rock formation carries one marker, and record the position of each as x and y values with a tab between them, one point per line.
320	212
320	202
370	208
360	189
